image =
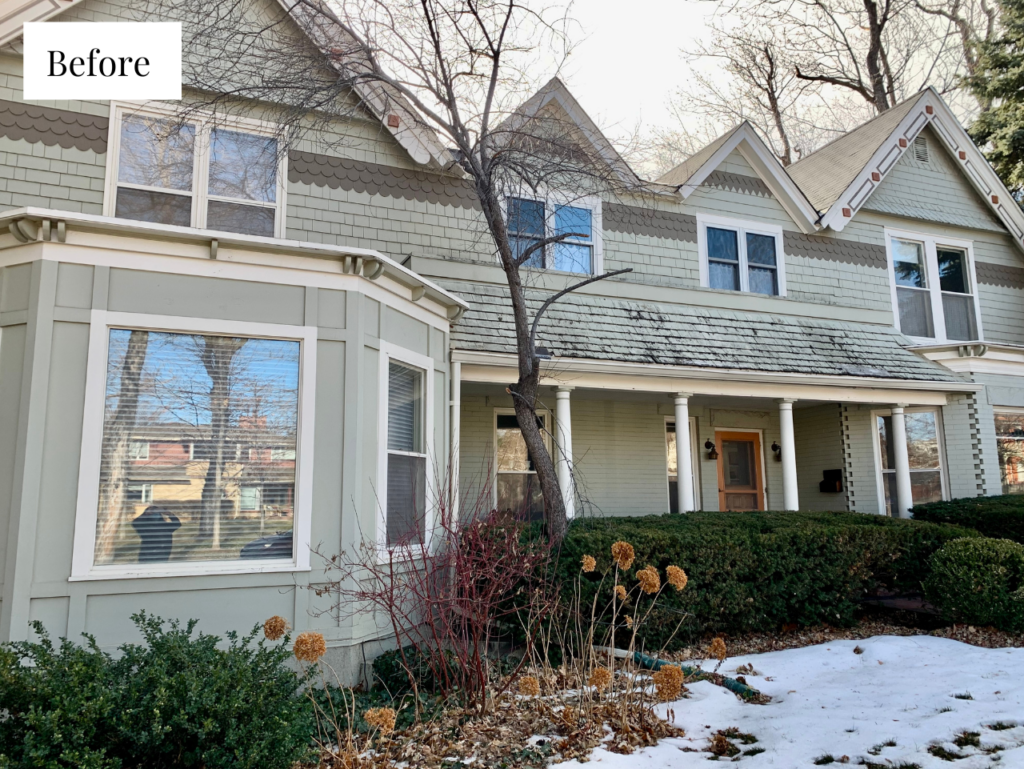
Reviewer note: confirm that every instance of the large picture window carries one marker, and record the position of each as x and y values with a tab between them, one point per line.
924	437
933	288
1010	443
516	487
741	256
193	173
192	450
531	219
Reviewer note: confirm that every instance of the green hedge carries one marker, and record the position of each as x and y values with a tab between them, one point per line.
756	571
979	582
999	517
176	700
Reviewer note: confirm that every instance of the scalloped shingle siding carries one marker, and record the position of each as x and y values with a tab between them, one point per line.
51	127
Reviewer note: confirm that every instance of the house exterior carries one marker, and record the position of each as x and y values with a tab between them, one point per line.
207	383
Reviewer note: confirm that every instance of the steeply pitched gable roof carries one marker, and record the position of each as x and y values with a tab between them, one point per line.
827	172
688	176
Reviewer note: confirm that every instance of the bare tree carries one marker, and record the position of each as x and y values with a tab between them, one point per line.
455	71
975	22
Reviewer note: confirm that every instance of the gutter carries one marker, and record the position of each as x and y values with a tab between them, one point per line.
32	224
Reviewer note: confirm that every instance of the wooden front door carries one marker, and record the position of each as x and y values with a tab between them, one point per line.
740	485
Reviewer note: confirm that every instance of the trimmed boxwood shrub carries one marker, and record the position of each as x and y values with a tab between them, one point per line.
979	582
756	571
1001	517
176	700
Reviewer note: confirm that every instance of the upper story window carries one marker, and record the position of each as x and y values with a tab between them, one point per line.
933	287
531	219
192	173
741	256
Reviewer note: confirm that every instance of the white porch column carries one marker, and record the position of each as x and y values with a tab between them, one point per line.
563	433
790	492
904	491
456	433
684	463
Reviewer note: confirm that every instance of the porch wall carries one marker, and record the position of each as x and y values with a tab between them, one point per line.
819	447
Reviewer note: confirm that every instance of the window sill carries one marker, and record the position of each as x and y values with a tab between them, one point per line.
191	569
547	271
731	292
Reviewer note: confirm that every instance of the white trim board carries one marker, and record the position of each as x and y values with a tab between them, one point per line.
82	565
741	227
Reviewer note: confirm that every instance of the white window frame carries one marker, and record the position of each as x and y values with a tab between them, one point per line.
550	201
143	453
877	450
389	352
544	414
204	123
147	492
996	410
83	566
931	259
741	227
694	462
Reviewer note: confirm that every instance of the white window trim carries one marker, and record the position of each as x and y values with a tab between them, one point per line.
389	352
204	122
742	227
552	199
877	450
764	465
82	561
143	455
694	462
930	243
545	414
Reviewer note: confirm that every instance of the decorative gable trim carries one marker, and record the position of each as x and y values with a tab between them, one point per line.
752	185
772	175
931	110
14	14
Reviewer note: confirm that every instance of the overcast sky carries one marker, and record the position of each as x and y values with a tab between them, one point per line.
627	62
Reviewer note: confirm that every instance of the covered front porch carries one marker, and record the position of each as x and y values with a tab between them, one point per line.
750	440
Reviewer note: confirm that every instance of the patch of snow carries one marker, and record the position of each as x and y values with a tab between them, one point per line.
828	700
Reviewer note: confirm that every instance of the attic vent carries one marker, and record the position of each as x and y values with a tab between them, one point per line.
921	149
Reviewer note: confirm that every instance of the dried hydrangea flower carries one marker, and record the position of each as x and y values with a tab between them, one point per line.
382	719
529	686
275	628
620	592
629	621
601	679
668	682
309	647
623	554
718	650
676	577
589	563
650	582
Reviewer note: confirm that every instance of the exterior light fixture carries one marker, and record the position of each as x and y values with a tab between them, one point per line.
712	454
777	451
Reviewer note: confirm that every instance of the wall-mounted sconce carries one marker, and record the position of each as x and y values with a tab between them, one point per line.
712	454
777	451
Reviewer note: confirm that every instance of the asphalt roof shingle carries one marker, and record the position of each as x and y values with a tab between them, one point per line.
603	328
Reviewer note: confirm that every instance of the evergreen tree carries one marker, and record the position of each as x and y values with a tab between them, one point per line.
1000	79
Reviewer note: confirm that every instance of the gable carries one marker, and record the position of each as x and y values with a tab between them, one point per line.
933	189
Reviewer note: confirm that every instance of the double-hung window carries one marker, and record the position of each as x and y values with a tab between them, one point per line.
933	288
225	389
406	424
1010	445
924	449
516	487
192	172
741	256
532	219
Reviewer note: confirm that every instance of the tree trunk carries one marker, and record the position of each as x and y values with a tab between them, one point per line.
874	58
113	507
217	355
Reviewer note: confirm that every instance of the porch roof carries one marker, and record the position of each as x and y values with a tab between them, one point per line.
607	329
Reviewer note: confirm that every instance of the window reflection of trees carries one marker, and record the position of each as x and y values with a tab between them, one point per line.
1010	443
229	406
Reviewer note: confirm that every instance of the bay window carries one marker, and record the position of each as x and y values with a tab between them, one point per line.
532	219
924	449
741	256
223	398
933	288
190	172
